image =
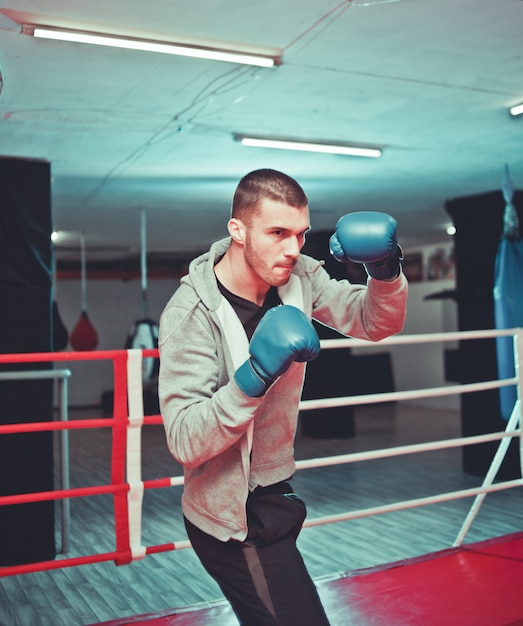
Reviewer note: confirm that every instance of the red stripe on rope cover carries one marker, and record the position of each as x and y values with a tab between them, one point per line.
152	419
157	483
164	547
118	457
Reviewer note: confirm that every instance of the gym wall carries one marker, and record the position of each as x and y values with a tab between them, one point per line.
114	305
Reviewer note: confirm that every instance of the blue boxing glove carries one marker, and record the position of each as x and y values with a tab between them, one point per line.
283	335
370	238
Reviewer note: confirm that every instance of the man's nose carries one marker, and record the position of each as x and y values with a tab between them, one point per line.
293	247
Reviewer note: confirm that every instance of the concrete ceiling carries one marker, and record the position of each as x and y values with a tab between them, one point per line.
430	82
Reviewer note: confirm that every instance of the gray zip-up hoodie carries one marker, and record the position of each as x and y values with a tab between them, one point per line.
228	442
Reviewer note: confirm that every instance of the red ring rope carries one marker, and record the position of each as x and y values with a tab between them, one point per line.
119	488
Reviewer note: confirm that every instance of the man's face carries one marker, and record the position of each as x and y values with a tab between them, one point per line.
273	241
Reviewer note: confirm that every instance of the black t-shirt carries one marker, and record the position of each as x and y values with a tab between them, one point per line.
249	312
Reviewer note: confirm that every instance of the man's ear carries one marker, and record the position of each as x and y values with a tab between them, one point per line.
237	230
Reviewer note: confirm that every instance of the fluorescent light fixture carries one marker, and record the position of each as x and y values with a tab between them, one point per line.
308	146
232	55
516	110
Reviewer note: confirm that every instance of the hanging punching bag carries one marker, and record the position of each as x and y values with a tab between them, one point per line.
144	336
84	336
508	295
144	333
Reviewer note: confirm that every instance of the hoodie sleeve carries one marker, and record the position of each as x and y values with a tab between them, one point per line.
371	312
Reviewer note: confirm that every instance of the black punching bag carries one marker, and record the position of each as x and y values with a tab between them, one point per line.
479	227
26	459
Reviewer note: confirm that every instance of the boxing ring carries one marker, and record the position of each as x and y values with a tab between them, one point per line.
471	568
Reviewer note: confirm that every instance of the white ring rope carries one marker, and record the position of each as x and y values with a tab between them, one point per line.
374	398
134	452
410	504
420	338
513	430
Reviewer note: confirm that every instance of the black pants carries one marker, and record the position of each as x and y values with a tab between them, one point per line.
264	578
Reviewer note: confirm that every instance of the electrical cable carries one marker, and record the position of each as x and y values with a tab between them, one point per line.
339	9
158	135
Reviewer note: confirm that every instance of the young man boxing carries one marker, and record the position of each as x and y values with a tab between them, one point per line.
234	342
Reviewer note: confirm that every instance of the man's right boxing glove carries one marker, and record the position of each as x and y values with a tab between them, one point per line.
368	237
283	335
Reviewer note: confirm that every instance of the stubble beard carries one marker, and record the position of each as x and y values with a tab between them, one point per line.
260	268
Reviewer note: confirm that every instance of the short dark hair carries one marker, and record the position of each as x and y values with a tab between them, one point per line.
265	183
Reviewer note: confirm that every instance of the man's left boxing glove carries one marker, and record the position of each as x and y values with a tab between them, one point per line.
283	335
368	237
